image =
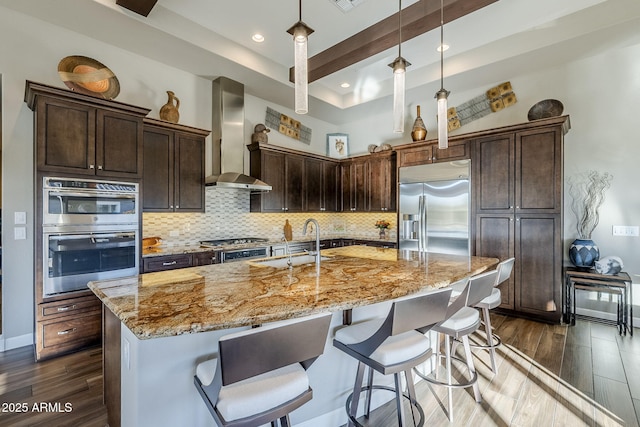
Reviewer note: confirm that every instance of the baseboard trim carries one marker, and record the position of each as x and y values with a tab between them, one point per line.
16	342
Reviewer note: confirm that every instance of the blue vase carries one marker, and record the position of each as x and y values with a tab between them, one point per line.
584	253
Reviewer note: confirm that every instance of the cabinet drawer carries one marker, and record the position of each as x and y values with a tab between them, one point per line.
169	262
81	329
69	307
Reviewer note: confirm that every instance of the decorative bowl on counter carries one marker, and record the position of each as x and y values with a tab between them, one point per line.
151	242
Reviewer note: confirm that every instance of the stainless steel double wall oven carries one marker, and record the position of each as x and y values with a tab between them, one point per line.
90	232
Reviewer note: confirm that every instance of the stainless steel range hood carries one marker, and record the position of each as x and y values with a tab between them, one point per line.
228	138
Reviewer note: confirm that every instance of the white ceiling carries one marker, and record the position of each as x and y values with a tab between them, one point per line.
210	38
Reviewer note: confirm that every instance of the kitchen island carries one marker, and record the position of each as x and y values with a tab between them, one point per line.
158	326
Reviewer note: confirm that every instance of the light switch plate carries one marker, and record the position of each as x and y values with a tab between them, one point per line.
626	230
19	233
19	217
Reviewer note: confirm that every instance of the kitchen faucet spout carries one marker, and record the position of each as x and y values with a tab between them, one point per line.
317	229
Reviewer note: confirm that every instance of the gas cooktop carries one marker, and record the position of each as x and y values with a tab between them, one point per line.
239	241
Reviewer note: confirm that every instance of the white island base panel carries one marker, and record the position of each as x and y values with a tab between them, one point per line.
157	378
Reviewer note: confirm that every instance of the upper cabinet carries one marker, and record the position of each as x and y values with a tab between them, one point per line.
369	183
173	178
300	182
82	134
420	153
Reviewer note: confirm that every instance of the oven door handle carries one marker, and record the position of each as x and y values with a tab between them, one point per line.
95	238
92	194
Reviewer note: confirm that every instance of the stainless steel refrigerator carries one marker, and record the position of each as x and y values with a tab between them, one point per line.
434	207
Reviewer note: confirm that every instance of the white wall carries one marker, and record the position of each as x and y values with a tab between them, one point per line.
600	94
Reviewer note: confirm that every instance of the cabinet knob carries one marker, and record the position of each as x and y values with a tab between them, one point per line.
91	167
68	331
177	207
66	308
99	167
170	263
171	207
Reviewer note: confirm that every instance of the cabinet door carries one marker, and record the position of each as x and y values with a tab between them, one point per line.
538	272
495	171
346	190
272	172
66	136
313	183
157	177
495	239
118	144
189	173
294	166
358	194
539	171
381	184
415	156
458	150
330	187
165	262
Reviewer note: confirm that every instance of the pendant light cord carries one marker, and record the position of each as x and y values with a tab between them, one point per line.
300	11
441	44
399	28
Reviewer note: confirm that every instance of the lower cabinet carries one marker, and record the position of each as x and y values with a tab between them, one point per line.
67	325
535	286
165	262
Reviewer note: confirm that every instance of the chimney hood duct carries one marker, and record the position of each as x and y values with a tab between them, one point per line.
228	138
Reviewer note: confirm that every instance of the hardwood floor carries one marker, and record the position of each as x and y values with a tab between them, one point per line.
549	375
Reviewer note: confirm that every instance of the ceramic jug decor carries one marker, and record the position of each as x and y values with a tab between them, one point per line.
419	131
169	111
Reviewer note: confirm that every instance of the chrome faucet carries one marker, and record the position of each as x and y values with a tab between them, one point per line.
317	252
287	251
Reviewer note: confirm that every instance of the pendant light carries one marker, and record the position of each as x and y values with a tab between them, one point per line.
399	70
300	32
442	94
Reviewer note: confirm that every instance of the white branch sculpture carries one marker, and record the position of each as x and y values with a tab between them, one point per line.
587	192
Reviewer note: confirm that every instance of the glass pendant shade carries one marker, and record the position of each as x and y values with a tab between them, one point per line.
300	70
399	72
443	141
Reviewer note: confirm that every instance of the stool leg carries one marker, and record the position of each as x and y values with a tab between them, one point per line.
367	408
489	332
399	405
411	390
449	389
472	369
355	397
285	422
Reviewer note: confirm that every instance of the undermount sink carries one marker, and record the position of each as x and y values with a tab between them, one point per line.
282	261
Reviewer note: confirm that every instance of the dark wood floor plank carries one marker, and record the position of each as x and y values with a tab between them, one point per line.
577	368
615	396
632	372
606	360
550	349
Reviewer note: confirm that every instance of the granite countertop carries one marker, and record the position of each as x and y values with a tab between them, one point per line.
221	296
162	249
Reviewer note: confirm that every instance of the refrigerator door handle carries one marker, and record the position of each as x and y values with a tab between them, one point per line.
422	223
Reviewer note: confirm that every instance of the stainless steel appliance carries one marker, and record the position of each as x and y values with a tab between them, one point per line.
90	231
68	201
231	254
434	207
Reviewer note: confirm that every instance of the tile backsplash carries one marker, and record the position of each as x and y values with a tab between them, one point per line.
227	216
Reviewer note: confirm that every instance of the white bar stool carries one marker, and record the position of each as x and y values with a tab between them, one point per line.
392	345
460	321
260	374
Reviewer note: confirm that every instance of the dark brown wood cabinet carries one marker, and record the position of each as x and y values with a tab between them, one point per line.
84	135
421	153
173	178
68	324
205	258
300	181
165	262
369	183
518	178
320	185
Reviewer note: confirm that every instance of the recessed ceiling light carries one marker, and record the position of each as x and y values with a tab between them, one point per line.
258	38
345	85
443	48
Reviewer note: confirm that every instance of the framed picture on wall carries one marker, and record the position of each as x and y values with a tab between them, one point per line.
337	145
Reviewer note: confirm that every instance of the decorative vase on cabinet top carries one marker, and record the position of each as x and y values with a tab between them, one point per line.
418	132
584	253
169	111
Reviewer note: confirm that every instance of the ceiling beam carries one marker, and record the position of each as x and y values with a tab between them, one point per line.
417	19
141	7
